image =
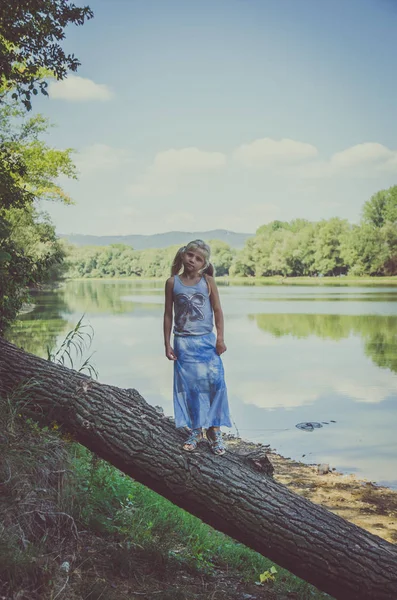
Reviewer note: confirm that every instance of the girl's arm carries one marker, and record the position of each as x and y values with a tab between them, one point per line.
218	315
169	351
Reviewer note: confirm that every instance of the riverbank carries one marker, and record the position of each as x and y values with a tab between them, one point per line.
310	281
276	280
361	502
90	531
78	528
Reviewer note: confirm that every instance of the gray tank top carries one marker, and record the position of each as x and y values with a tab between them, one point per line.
192	308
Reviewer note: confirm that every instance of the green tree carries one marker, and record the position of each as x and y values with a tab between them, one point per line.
270	228
221	256
389	236
328	259
29	251
244	262
381	208
363	251
31	33
371	247
304	252
376	244
278	248
34	234
281	253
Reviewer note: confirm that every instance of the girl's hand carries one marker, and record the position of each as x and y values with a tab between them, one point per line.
220	347
170	354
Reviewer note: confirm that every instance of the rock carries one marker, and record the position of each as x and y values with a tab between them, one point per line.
323	469
65	566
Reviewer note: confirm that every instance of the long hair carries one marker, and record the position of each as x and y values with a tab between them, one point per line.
203	248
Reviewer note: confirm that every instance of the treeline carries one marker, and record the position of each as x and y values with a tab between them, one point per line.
291	249
120	260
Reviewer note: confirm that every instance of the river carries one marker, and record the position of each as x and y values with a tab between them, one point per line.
296	354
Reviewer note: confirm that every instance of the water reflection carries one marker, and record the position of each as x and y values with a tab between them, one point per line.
379	333
98	297
294	355
40	328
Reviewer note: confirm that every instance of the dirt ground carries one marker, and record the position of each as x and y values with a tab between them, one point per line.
369	506
102	568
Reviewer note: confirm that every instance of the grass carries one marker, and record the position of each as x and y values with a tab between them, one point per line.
73	526
114	503
309	281
60	502
348	280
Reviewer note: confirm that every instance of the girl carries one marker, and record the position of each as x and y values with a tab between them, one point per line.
200	395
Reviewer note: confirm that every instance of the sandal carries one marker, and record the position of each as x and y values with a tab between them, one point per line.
216	443
193	440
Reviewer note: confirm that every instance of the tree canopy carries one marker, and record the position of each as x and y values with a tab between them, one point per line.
381	208
30	252
31	32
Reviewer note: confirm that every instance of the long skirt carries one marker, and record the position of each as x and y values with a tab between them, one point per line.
200	394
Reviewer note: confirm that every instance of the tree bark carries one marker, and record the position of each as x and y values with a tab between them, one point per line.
226	492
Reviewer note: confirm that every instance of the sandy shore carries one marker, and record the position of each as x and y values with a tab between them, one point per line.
369	506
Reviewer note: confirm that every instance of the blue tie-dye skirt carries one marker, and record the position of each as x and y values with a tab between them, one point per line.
200	394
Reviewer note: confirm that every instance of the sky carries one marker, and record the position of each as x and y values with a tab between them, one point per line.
192	115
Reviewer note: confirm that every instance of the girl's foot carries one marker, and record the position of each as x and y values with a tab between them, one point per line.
192	441
214	437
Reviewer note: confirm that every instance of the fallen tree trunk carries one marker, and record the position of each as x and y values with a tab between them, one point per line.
226	492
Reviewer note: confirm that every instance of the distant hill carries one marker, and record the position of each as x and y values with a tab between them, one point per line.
159	240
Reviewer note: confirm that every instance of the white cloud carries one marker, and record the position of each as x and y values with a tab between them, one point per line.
79	89
391	165
368	153
100	157
172	166
267	152
369	159
300	159
211	190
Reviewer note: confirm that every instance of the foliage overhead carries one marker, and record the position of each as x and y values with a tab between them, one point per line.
31	32
30	252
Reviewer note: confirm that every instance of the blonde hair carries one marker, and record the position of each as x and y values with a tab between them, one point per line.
203	248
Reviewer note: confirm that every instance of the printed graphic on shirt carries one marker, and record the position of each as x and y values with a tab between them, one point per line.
188	309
